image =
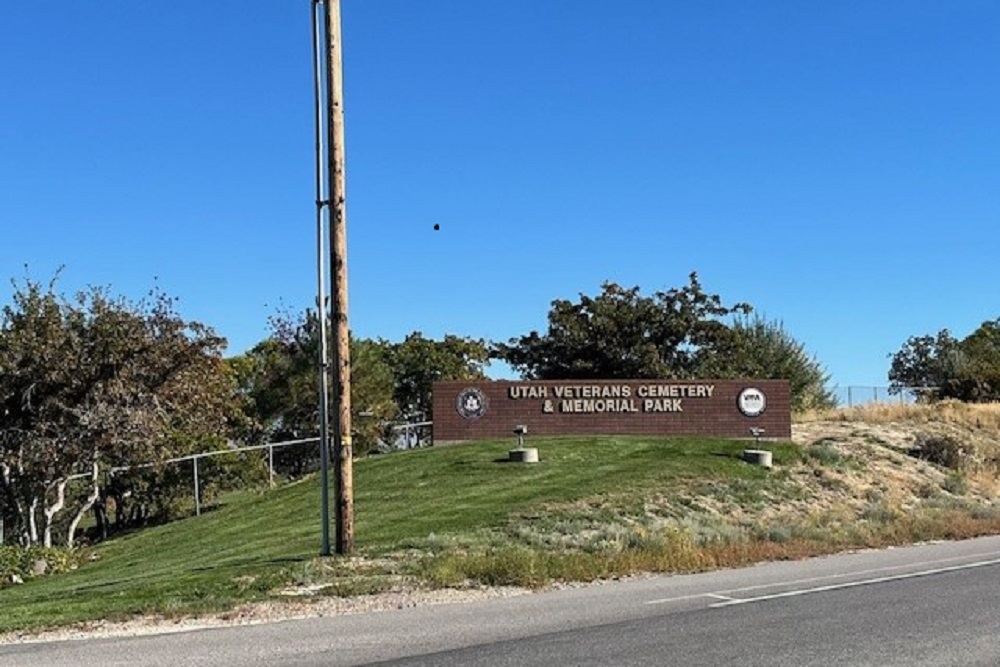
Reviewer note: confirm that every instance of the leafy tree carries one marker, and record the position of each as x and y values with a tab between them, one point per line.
980	375
417	362
764	349
944	367
927	363
96	382
388	380
622	334
372	385
279	390
277	382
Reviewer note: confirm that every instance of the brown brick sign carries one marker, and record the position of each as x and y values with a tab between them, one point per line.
724	408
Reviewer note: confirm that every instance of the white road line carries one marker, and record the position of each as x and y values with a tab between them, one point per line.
853	584
680	598
719	597
806	580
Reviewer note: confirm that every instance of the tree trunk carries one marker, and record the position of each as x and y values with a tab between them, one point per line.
21	527
13	495
6	496
33	522
53	509
101	517
95	494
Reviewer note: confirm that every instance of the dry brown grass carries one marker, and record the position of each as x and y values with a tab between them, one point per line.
973	415
972	428
956	525
869	488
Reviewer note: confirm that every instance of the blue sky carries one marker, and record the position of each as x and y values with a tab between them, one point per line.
833	164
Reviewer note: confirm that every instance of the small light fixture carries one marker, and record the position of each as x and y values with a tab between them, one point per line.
519	431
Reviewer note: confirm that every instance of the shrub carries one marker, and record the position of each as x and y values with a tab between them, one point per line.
879	512
943	450
824	453
26	562
955	484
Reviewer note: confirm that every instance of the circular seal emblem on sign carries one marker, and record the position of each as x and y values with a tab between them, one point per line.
751	402
471	403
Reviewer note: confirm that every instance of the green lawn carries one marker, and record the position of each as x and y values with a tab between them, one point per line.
256	541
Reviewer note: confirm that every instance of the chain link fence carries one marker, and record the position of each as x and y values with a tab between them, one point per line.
193	479
854	395
200	477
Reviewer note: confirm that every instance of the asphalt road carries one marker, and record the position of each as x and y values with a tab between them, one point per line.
927	605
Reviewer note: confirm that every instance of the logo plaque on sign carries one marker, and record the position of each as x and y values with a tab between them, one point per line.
472	404
752	402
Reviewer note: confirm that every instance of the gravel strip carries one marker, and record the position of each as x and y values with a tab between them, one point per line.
264	612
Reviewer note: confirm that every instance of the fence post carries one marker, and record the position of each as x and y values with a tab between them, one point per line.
197	490
270	464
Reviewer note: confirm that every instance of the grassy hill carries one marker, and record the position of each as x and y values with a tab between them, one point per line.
593	507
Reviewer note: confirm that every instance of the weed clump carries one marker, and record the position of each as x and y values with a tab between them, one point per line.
955	484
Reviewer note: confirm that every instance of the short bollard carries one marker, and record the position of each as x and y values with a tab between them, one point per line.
757	457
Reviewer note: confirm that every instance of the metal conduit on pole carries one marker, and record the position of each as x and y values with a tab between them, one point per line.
322	370
334	205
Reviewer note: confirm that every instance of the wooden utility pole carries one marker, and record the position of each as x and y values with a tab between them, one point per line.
342	445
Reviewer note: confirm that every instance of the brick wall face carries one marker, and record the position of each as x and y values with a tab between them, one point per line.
609	407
